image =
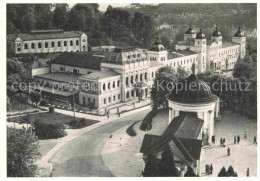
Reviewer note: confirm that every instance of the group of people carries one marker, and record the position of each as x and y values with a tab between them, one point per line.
222	142
209	169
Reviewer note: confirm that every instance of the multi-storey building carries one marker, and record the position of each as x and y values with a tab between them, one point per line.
128	73
214	54
47	41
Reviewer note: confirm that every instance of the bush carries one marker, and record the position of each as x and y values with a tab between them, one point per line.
78	123
229	173
130	130
147	122
49	130
43	103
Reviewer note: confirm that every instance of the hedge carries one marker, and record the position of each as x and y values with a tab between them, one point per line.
49	130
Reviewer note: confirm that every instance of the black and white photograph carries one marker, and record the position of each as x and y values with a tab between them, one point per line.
129	89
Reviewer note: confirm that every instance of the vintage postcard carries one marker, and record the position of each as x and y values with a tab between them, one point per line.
131	90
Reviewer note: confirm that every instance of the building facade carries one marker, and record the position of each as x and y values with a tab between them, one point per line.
48	41
214	54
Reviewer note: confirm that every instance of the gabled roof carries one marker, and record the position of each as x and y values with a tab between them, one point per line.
79	59
101	74
44	35
149	143
181	136
37	63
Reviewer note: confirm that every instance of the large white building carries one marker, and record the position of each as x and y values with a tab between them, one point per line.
128	73
47	41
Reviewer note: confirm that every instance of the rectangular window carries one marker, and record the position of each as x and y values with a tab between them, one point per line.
105	101
18	49
109	99
114	98
76	71
118	96
62	69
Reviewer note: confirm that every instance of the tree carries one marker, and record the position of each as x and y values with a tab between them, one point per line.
35	97
163	82
222	172
60	15
245	67
22	152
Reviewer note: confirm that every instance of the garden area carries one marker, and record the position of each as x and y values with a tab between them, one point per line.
52	125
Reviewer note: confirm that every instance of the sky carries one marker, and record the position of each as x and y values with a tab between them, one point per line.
103	6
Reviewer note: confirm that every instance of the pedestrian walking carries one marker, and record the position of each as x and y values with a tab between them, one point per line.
254	142
238	139
247	172
228	151
221	141
224	140
235	139
214	139
107	116
119	114
211	169
245	137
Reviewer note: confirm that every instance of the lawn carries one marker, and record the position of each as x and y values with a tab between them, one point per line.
54	117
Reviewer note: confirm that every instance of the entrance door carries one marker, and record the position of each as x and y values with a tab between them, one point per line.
84	101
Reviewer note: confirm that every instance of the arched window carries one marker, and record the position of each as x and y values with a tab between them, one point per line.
145	75
118	83
32	46
141	77
77	42
39	45
108	86
136	77
25	46
59	44
152	74
104	86
132	79
71	43
127	94
46	44
114	84
65	43
52	44
126	81
132	93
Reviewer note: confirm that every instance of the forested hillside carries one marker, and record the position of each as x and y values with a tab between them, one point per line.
137	25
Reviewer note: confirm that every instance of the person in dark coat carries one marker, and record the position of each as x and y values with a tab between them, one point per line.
235	139
247	172
254	142
224	140
238	139
228	151
221	141
211	169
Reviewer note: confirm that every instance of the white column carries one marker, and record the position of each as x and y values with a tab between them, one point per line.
170	115
176	113
210	121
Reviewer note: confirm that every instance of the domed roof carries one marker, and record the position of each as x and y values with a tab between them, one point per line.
190	31
216	32
157	46
200	35
192	91
239	33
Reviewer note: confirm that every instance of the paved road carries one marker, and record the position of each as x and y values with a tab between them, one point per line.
82	156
